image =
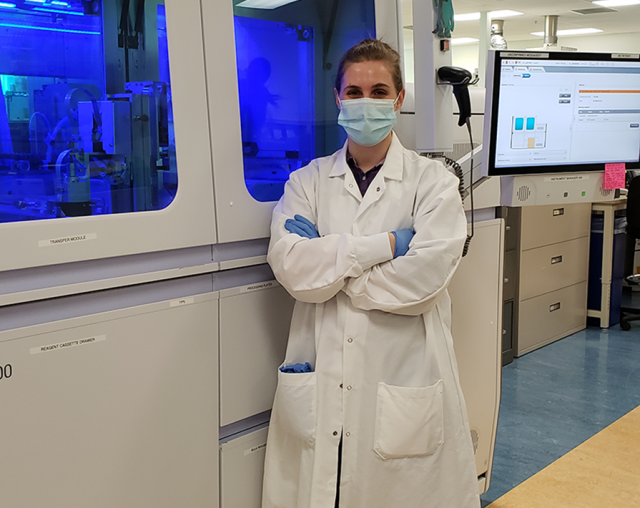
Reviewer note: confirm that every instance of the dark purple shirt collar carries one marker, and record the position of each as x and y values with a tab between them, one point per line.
363	179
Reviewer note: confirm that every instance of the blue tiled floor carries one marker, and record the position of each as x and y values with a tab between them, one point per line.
557	397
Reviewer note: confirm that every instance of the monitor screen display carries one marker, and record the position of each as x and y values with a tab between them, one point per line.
549	112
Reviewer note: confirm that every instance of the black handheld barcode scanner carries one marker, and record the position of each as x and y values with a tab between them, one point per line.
460	79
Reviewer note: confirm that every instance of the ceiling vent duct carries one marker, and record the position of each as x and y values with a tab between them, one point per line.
550	31
497	39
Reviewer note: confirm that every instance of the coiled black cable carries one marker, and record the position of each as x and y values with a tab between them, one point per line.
457	169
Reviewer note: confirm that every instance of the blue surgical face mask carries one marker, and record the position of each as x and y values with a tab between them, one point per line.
367	121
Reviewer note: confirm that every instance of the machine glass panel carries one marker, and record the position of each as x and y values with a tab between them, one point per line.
287	54
86	124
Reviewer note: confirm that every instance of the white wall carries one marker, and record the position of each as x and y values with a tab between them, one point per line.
465	56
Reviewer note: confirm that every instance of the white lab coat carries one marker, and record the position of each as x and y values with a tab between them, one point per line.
376	330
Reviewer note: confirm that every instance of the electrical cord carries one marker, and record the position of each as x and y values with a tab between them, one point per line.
465	250
457	169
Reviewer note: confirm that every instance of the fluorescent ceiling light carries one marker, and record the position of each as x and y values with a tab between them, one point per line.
616	3
474	16
504	14
464	40
264	4
574	31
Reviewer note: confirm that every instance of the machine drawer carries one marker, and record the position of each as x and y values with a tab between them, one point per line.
241	470
551	316
545	225
254	328
553	267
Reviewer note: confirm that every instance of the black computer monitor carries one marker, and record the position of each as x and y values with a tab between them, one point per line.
559	112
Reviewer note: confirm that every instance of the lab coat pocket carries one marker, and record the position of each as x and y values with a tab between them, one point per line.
295	405
409	421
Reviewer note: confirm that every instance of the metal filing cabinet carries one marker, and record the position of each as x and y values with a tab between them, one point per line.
553	272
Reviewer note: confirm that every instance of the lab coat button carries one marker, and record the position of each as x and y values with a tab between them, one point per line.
349	340
351	186
349	387
378	189
348	434
335	432
340	385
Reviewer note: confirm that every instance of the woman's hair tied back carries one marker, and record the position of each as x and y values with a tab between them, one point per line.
371	50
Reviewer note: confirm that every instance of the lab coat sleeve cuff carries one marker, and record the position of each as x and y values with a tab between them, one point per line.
372	250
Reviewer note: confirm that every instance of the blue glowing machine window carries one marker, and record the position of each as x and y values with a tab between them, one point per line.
82	130
287	55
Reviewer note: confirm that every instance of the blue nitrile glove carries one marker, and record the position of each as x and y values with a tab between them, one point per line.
301	226
297	368
403	238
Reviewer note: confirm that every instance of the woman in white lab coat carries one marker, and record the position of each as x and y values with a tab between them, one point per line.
367	240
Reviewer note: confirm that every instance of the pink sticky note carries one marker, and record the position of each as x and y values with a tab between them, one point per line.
614	175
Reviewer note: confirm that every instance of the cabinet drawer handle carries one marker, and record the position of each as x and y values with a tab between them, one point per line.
554	307
558	211
556	260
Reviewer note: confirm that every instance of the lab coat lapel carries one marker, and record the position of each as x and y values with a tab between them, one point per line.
391	170
341	169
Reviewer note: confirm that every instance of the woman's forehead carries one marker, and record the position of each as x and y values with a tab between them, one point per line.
367	73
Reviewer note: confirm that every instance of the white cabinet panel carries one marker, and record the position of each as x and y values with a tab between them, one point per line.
113	410
254	327
476	296
242	467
